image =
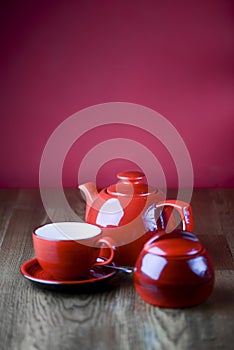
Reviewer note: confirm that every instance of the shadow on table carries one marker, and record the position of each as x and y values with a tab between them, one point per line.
116	281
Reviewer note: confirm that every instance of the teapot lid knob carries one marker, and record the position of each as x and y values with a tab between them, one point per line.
131	176
130	184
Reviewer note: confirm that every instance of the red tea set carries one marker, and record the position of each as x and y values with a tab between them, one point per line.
130	227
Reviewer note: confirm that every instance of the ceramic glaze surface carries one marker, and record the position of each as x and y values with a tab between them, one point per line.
32	270
130	184
70	259
174	270
175	247
130	211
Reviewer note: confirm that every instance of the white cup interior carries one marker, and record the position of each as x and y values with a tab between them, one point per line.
66	231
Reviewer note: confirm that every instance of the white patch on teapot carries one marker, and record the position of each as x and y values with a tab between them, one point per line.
110	213
150	221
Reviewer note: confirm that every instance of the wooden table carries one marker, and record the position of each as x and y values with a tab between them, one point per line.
116	317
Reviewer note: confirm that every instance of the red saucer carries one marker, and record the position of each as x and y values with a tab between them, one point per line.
33	272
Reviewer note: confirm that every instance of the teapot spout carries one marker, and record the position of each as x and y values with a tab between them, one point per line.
90	192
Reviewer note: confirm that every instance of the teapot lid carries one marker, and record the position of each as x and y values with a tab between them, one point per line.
130	184
171	245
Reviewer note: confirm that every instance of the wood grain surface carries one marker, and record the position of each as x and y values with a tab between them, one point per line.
113	317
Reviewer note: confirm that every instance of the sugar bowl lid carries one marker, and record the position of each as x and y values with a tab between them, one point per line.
178	244
130	184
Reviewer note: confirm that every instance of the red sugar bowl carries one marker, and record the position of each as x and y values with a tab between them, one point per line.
174	270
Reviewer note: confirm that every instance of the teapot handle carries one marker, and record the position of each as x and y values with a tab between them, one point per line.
185	211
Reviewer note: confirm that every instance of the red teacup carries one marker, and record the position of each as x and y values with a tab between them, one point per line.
68	250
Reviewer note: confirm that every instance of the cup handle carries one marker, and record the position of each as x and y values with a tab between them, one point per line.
185	211
110	244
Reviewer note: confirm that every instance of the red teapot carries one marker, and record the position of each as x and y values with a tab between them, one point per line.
130	211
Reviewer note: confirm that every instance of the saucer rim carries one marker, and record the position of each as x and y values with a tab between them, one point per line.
27	264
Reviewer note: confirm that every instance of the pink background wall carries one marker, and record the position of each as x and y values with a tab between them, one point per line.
59	57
